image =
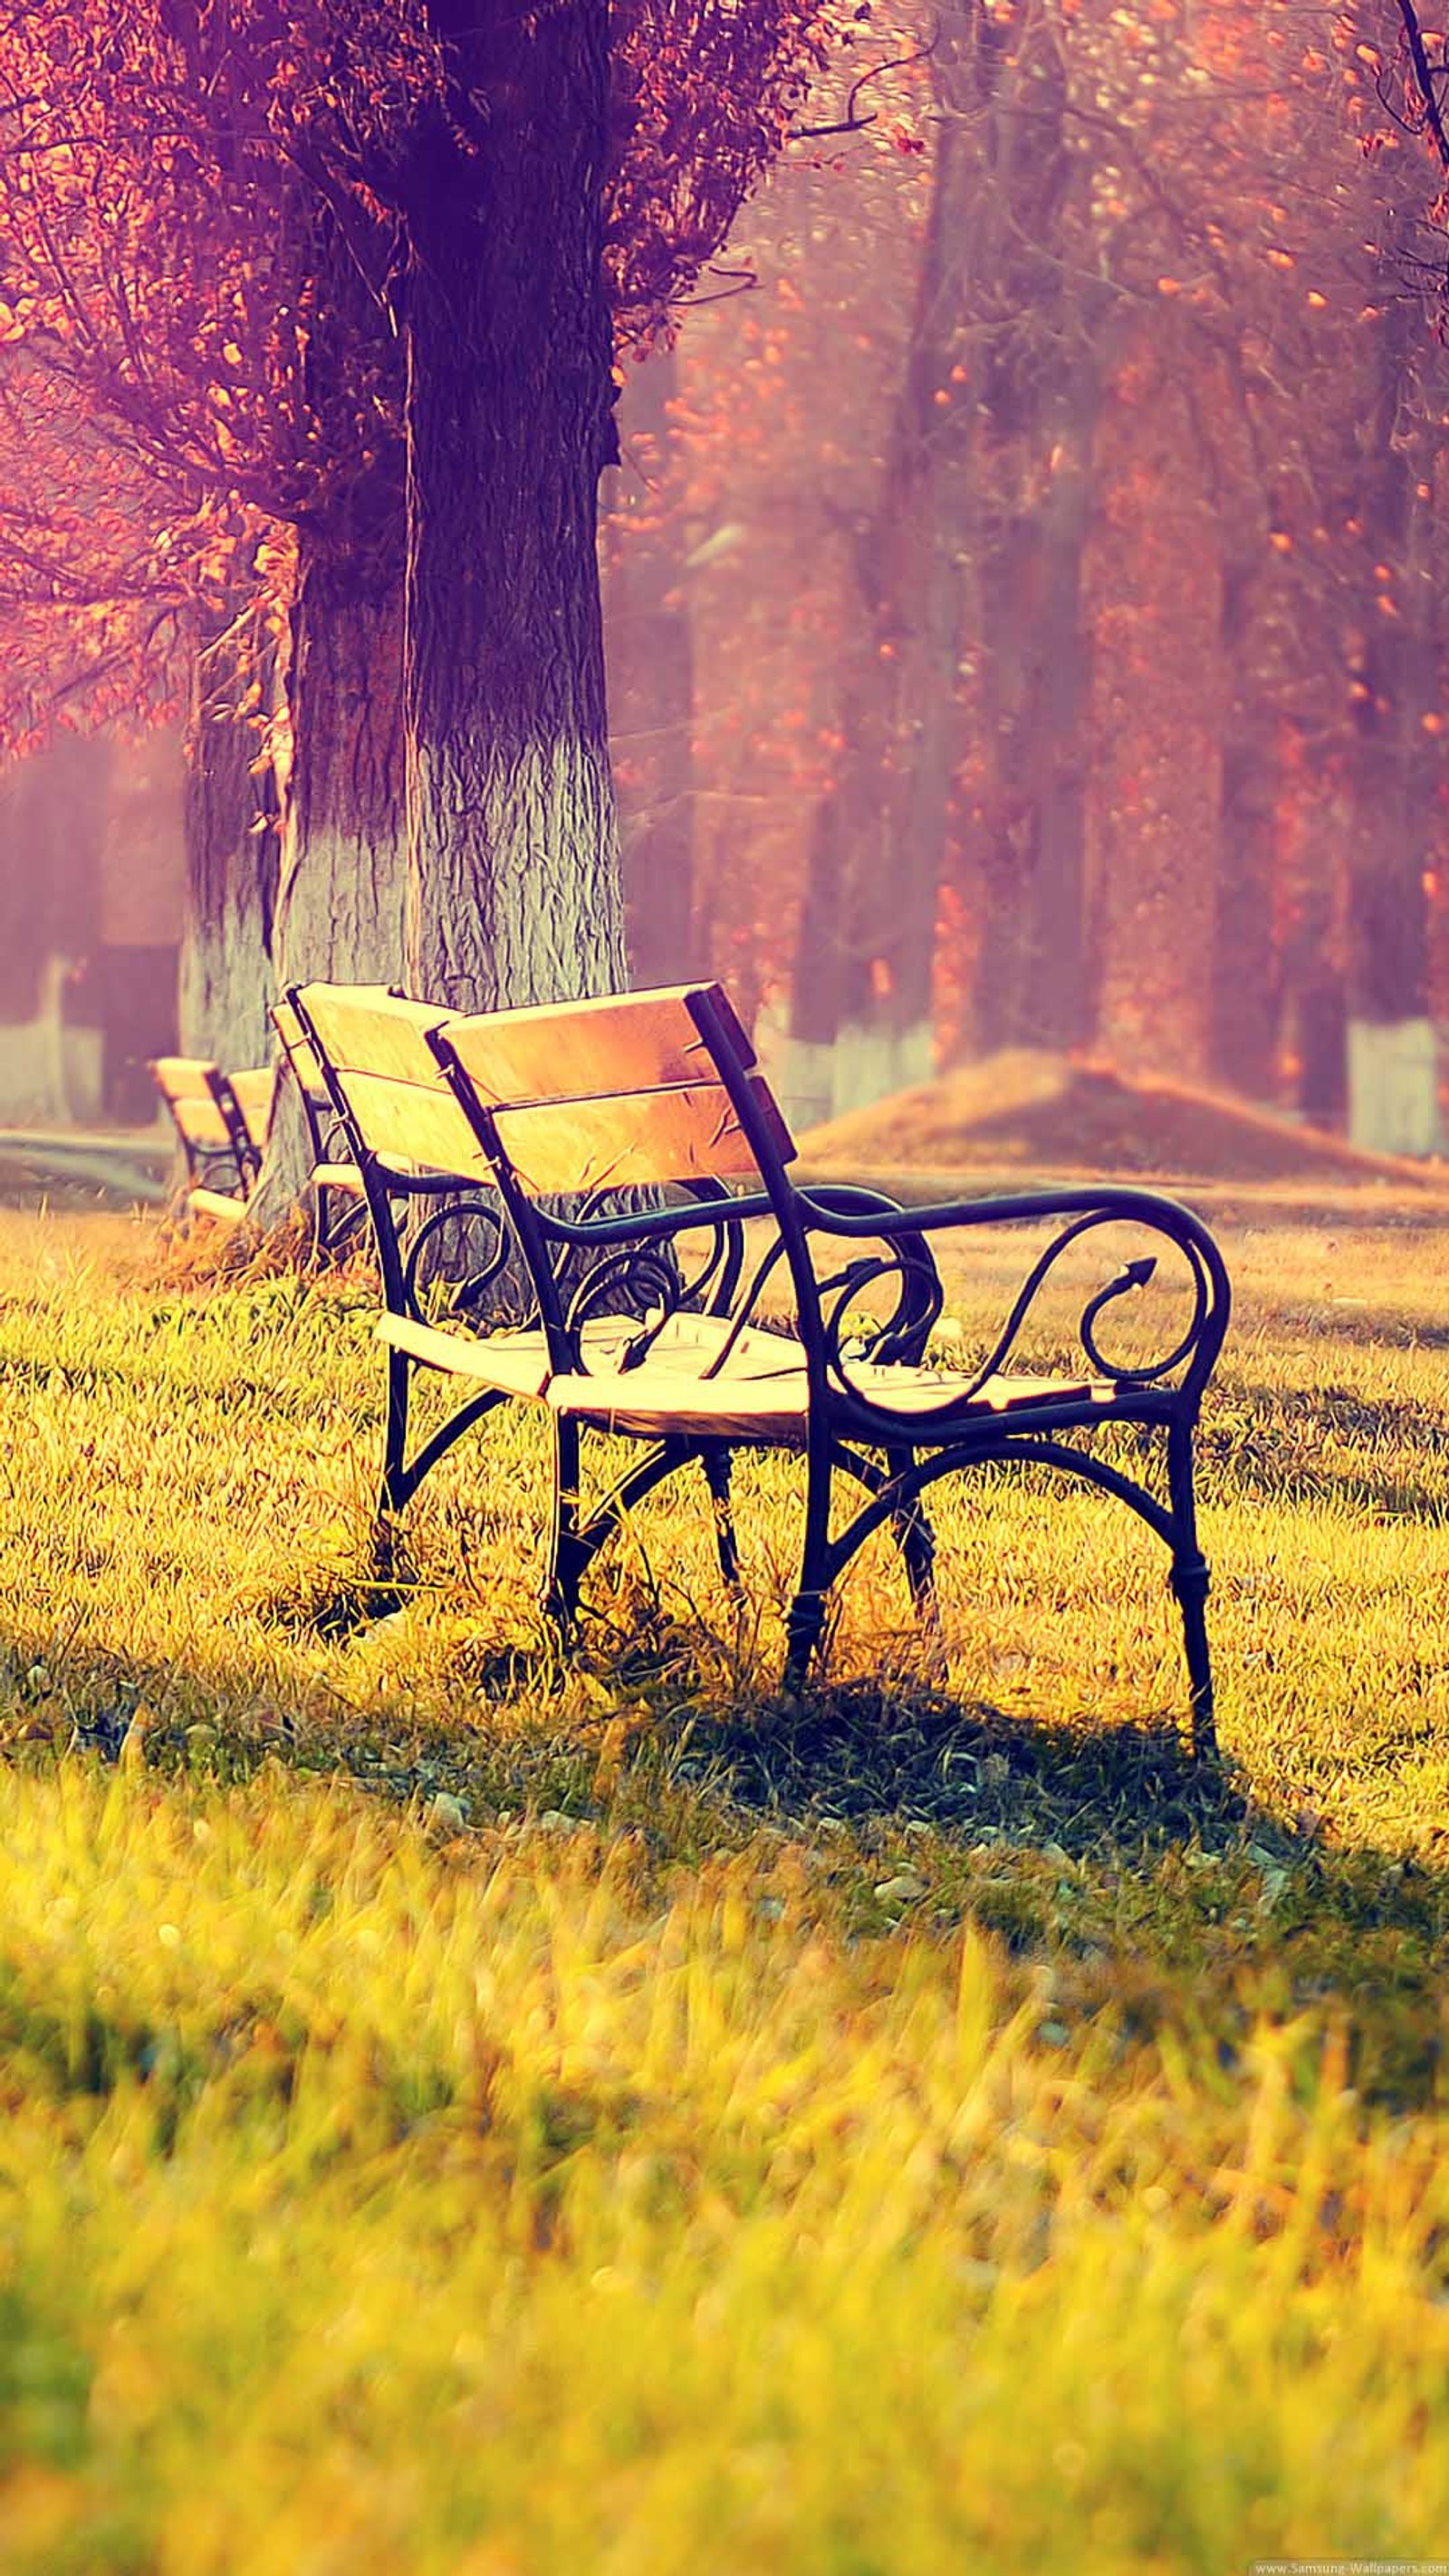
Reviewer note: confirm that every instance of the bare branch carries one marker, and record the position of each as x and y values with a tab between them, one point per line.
1424	81
850	123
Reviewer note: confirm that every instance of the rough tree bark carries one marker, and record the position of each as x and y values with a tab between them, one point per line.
341	897
231	868
514	891
343	888
1392	1053
343	876
649	648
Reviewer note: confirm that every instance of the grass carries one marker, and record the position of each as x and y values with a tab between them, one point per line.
470	2110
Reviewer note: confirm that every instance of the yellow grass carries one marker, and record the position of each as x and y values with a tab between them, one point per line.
467	2111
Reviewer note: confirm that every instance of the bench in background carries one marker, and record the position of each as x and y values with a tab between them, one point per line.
222	1121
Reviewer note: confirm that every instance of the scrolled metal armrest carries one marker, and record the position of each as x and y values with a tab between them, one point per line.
1087	1209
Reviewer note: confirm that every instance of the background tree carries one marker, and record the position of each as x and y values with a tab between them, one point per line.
247	238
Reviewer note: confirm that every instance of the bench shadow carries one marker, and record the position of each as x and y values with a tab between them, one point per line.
1271	1446
1154	1883
854	1751
1368	1327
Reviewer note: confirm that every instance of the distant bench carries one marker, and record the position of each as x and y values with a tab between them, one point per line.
223	1121
647	1324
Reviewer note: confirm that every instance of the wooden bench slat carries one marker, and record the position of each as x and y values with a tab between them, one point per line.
761	1398
399	1098
183	1077
366	1031
517	1360
255	1093
629	1140
516	1363
623	1042
413	1126
216	1203
201	1122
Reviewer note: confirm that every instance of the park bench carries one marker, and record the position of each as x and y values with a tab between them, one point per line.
596	1102
336	1181
223	1121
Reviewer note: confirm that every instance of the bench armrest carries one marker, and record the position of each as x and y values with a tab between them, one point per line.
1083	1210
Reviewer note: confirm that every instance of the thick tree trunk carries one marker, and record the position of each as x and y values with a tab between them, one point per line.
232	860
342	894
514	891
649	648
343	891
1393	1105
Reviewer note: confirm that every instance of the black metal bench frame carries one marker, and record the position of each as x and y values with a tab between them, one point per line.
848	1426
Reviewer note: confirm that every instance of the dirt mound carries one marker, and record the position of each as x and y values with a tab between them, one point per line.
1056	1113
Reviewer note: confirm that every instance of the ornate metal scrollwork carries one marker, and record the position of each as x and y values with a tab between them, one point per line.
874	1346
469	1292
653	1282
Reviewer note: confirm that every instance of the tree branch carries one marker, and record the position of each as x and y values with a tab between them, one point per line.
1423	71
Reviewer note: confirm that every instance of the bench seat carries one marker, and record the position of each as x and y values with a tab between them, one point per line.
761	1397
515	1361
216	1203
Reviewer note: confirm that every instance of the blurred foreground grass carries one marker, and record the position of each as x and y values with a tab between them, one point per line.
469	2111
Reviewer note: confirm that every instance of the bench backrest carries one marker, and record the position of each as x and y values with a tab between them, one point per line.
299	1050
388	1084
255	1094
215	1113
632	1090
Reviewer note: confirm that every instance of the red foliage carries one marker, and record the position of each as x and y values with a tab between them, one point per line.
199	239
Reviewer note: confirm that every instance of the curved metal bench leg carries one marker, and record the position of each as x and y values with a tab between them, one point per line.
717	1462
1190	1584
575	1542
916	1540
910	1528
806	1617
567	1555
394	1490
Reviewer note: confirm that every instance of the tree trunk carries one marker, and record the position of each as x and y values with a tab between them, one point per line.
1247	986
1159	704
969	577
861	1019
514	891
1034	976
342	895
649	649
343	891
1392	1052
232	861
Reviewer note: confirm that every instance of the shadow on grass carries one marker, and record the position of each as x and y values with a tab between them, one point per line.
1144	1880
1273	1444
855	1750
1368	1327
